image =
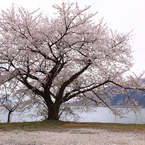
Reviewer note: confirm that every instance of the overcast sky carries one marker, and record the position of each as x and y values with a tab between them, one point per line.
120	15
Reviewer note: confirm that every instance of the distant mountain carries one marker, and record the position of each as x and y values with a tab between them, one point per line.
119	99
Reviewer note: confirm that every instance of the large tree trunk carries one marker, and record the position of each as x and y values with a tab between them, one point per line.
53	112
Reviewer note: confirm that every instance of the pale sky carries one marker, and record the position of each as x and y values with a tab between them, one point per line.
120	15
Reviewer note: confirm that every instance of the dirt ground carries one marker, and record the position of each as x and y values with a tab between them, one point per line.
71	137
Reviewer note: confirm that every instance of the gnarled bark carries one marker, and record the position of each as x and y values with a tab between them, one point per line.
53	112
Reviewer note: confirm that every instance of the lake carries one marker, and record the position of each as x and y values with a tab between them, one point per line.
99	114
104	115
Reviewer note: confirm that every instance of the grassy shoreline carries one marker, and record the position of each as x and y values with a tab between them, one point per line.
60	125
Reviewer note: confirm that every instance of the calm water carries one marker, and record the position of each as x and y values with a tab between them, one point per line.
101	114
104	115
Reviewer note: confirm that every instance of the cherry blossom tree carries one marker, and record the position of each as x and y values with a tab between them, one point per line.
65	57
13	99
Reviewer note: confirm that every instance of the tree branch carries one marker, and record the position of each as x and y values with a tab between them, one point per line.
71	79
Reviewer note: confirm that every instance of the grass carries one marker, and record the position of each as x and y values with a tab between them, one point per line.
31	125
49	125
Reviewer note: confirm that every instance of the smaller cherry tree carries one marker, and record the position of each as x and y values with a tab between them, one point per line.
14	99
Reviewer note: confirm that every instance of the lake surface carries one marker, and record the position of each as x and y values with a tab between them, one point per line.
104	115
100	114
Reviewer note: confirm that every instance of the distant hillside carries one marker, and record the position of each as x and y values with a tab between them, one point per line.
119	99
